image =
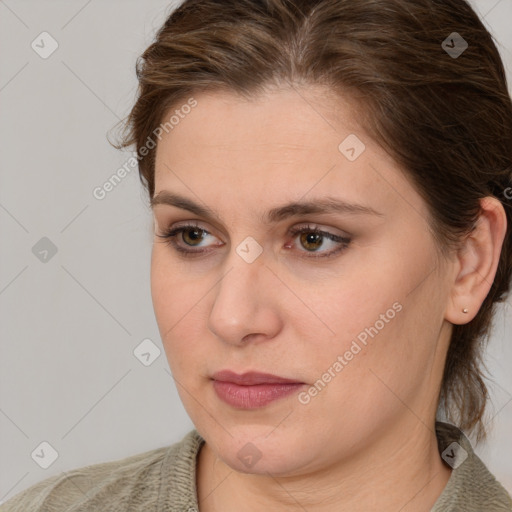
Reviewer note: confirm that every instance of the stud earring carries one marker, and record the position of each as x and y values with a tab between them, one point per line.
465	310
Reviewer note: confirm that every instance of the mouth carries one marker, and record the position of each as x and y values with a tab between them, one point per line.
252	390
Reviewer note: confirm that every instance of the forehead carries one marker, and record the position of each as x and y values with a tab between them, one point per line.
279	121
288	142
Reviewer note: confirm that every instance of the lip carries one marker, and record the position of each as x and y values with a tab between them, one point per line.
252	390
251	378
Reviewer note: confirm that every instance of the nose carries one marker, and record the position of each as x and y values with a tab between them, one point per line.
246	304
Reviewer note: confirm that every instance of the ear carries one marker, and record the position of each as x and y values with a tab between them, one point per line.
477	262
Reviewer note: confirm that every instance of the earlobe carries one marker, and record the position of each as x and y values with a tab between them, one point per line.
477	260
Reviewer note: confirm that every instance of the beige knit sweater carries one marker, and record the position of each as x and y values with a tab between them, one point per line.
163	480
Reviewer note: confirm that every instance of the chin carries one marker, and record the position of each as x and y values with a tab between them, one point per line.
277	464
262	449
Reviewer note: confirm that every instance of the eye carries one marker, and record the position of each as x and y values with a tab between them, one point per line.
191	235
312	239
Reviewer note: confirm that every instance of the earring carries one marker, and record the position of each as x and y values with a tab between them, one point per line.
465	310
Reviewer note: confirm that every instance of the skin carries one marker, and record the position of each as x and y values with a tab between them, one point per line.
367	440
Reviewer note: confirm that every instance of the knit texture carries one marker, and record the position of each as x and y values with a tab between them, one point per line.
164	480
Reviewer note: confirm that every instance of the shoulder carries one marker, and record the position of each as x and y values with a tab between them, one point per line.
132	483
471	487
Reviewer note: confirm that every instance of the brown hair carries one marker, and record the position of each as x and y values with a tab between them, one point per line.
447	119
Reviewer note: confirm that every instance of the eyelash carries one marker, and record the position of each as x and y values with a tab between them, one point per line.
169	235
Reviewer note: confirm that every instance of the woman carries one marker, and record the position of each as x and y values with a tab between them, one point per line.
327	179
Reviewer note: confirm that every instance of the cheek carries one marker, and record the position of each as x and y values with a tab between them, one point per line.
163	292
378	312
175	288
175	302
389	351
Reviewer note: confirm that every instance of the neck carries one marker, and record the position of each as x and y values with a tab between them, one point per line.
404	473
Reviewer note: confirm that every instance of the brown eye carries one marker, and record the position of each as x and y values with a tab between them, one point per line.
192	235
311	240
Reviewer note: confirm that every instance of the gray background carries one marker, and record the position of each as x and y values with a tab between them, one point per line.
69	324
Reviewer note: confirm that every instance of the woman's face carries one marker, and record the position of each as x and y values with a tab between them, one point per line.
357	318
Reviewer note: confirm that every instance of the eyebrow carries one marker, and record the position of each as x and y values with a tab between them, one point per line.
323	205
